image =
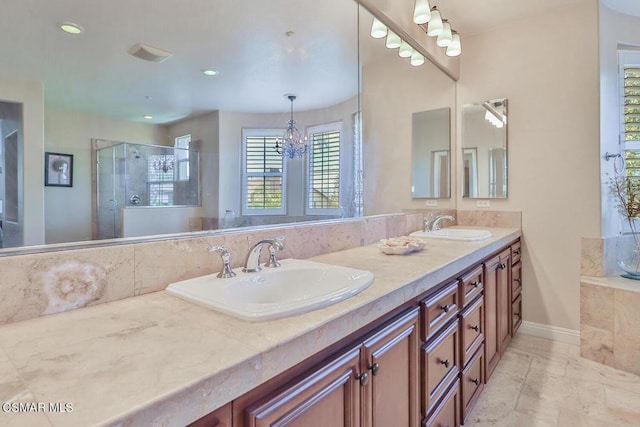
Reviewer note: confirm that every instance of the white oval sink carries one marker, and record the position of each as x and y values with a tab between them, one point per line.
466	234
297	286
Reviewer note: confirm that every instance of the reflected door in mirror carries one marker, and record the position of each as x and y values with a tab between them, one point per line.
430	156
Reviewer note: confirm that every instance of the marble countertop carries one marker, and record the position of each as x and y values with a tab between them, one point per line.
158	360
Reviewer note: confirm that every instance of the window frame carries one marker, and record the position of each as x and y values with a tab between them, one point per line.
182	164
310	131
244	208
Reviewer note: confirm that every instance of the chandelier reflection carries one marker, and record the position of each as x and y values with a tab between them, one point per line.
164	163
293	143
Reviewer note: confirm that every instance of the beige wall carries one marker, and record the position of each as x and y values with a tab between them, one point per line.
30	94
68	215
547	67
392	90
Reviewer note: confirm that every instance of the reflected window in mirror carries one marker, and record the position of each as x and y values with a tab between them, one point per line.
263	173
430	155
182	157
484	149
323	189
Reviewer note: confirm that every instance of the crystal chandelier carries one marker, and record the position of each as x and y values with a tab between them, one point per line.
293	144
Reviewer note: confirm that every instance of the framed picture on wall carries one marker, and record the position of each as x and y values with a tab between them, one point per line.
58	170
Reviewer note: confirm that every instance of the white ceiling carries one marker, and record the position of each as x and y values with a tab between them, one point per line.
244	39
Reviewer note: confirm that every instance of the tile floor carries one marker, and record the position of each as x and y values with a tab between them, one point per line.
546	383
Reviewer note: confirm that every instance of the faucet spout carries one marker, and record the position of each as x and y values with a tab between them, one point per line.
252	264
436	222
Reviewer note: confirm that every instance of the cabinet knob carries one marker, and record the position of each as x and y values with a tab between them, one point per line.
363	377
502	266
517	315
517	280
374	368
445	362
475	328
444	308
476	284
476	381
516	252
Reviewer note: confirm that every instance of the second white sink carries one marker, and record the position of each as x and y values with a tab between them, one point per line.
465	234
298	286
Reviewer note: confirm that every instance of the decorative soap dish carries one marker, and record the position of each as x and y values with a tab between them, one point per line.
402	245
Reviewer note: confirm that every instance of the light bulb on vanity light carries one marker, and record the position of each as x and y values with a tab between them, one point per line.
455	47
445	37
417	59
435	26
393	40
378	29
405	50
421	12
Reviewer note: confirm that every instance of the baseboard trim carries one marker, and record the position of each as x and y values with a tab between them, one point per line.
554	333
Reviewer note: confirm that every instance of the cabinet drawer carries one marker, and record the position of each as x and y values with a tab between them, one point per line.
472	382
516	314
516	251
471	285
438	309
472	322
447	414
440	366
516	280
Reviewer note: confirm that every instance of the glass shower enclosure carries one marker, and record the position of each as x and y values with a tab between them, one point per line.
130	176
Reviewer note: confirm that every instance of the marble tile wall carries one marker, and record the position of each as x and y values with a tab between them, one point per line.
609	321
39	284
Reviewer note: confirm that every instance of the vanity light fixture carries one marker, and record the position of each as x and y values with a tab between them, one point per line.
293	143
378	29
444	39
455	47
71	28
405	50
417	59
421	12
210	72
393	40
435	26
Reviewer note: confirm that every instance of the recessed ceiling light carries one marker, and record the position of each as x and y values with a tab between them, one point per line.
71	28
147	116
209	72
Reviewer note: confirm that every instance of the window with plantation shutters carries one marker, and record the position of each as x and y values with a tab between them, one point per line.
323	191
263	173
632	103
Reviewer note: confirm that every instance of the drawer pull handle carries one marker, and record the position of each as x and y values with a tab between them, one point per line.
516	252
374	368
445	362
475	328
517	315
444	308
517	280
502	266
476	284
363	378
476	381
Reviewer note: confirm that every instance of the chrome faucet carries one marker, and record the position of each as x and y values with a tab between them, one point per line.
436	222
252	265
226	272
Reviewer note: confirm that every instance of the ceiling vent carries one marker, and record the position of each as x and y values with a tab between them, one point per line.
149	53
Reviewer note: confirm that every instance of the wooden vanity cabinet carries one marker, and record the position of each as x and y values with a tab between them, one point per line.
373	383
516	289
497	314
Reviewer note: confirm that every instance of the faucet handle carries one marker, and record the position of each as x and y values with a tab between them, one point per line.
226	272
276	244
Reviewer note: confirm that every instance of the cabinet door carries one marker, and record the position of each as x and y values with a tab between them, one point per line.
327	396
504	301
219	418
391	396
497	314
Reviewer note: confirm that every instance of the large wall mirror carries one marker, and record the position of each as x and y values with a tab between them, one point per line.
484	149
143	130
